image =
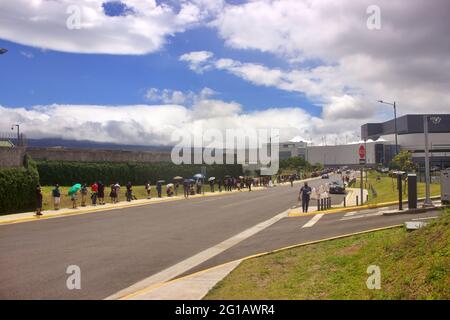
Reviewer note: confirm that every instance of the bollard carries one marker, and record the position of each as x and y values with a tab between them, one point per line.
367	198
345	202
329	202
321	204
357	203
318	204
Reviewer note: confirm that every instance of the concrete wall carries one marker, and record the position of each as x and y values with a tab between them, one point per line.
87	155
339	155
11	157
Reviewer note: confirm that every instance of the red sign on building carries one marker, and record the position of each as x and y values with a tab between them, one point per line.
362	152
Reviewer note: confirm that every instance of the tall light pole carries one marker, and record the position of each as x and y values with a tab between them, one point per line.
395	122
435	120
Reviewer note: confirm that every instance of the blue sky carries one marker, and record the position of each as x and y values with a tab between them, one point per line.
134	71
69	78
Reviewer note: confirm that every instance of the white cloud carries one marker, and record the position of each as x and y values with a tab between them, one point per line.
168	96
198	60
406	60
43	24
151	124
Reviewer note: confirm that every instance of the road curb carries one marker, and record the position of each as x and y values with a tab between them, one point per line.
353	208
413	211
240	260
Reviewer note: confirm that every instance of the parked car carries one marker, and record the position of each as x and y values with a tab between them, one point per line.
337	188
325	176
314	174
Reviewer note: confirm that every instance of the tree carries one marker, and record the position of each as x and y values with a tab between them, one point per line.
403	161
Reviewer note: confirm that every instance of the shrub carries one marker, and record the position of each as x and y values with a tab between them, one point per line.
17	187
68	173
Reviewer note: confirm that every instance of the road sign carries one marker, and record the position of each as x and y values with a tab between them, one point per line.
362	152
362	161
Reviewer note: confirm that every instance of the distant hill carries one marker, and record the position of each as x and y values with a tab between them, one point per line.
86	144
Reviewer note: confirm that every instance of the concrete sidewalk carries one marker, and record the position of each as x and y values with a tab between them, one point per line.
192	287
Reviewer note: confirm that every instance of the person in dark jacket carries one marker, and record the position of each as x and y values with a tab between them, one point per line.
38	200
56	194
129	192
304	195
101	193
159	189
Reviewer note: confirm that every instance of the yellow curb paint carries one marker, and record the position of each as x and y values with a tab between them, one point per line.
119	206
257	255
354	208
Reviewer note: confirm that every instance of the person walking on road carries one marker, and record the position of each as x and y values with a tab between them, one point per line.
304	195
38	200
56	197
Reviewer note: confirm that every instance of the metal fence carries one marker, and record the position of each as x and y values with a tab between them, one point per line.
18	141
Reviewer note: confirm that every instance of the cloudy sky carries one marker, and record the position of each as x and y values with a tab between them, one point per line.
133	71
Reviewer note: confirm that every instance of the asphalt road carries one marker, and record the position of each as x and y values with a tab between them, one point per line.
115	249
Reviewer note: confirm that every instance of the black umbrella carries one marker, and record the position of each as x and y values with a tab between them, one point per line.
161	181
2	51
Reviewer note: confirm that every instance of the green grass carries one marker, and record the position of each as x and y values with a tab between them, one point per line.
414	265
138	191
386	188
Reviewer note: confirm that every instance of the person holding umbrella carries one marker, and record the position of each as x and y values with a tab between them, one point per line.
159	187
211	183
219	184
73	194
177	181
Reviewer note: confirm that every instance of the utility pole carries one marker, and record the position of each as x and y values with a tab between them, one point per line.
435	120
18	132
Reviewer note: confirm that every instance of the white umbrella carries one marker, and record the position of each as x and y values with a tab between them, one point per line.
211	178
170	185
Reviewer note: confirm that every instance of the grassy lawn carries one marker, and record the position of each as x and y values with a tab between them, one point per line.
138	191
414	265
386	188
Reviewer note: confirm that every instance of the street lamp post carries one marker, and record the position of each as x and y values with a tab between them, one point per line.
435	120
395	122
18	132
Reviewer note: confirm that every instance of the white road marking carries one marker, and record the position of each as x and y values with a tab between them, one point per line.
189	263
348	214
425	218
363	216
313	220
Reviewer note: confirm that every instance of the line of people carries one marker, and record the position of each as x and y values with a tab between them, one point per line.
96	191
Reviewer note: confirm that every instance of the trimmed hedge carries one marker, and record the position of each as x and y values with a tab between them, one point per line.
18	187
68	173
